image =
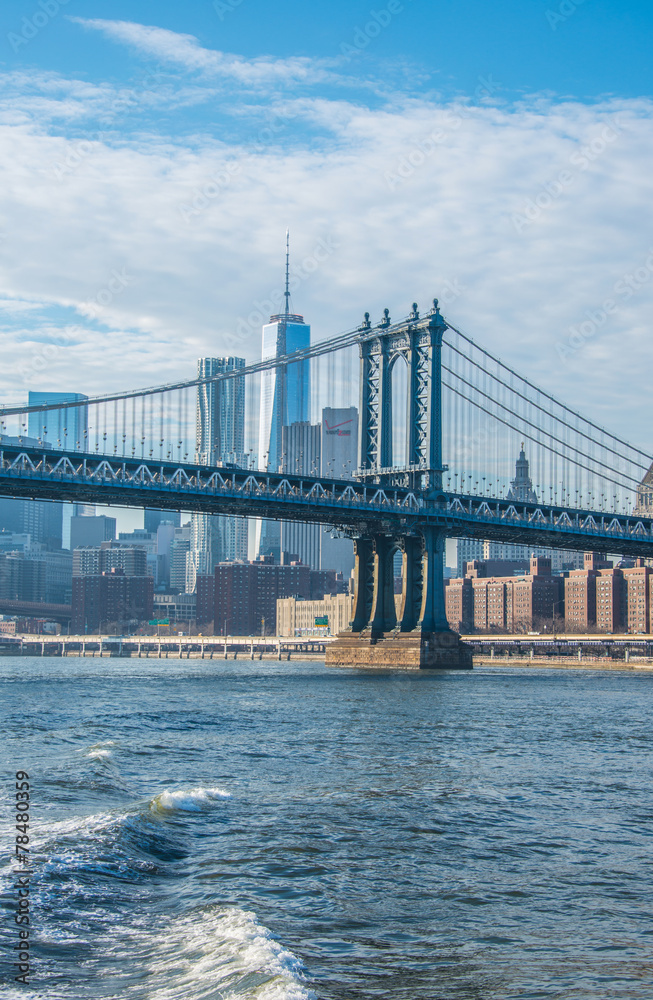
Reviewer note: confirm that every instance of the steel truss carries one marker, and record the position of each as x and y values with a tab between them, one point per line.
394	511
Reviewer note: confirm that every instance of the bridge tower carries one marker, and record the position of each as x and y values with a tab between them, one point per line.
419	635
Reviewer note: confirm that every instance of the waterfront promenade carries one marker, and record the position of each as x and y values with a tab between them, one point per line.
164	647
593	651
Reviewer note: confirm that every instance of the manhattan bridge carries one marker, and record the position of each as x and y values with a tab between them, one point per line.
440	421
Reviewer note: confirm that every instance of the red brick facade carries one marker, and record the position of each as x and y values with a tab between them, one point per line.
110	600
245	598
507	603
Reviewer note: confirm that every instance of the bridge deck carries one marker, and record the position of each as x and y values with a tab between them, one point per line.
346	504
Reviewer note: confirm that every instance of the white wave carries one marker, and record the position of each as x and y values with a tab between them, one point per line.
188	799
98	750
221	953
97	746
79	827
76	826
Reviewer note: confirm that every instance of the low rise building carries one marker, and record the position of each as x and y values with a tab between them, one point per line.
176	607
298	617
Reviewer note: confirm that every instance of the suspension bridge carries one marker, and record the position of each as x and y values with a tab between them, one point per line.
440	422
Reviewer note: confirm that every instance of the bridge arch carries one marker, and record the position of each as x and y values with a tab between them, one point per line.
398	415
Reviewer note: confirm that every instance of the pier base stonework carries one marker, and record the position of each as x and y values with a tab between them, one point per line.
394	650
412	633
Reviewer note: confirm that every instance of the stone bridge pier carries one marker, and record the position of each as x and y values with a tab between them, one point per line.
413	635
417	634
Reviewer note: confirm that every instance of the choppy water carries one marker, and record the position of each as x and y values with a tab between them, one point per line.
280	831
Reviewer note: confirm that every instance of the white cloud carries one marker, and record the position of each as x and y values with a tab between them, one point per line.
417	199
185	51
16	306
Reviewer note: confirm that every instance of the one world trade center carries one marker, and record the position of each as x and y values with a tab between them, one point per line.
285	399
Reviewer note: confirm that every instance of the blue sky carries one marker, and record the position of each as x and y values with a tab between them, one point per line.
495	154
584	49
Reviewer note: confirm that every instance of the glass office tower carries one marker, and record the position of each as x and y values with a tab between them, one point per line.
219	440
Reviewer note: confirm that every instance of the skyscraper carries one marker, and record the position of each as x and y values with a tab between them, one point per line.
65	428
327	449
152	518
179	549
339	460
219	439
301	456
285	399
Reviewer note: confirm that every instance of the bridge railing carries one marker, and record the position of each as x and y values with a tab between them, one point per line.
39	473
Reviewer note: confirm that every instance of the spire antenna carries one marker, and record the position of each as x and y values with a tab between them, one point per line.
287	291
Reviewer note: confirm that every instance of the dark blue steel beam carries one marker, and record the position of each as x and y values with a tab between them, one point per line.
35	473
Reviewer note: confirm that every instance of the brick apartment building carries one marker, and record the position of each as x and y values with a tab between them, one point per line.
639	594
459	599
89	560
204	598
580	592
111	587
110	600
607	598
245	594
503	603
611	609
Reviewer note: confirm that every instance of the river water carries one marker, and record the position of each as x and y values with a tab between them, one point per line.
211	829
